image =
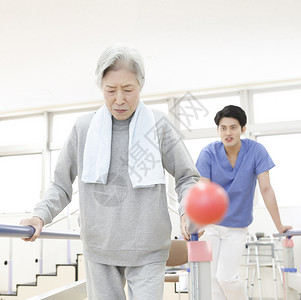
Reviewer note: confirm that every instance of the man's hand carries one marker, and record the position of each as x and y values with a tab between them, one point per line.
36	223
283	228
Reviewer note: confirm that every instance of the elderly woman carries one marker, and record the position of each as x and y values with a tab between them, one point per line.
119	154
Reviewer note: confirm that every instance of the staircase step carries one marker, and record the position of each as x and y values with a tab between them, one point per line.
42	282
47	274
27	284
6	294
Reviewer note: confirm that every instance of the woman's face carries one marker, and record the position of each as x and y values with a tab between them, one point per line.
121	91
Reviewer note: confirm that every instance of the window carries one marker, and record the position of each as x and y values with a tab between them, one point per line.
20	178
285	176
159	106
277	106
21	131
62	124
193	113
21	174
195	146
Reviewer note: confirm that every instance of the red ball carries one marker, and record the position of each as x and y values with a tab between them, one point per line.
206	203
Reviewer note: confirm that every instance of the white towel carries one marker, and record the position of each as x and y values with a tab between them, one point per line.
144	161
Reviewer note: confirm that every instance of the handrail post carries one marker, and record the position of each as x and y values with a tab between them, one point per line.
41	259
288	270
288	267
10	267
199	258
68	241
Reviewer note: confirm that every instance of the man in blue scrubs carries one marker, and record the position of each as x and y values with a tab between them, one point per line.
236	164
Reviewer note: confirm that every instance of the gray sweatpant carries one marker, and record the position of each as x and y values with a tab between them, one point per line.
105	282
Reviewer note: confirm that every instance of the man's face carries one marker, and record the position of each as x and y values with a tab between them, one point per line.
121	92
230	131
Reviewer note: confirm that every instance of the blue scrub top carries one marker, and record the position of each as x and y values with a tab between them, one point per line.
240	181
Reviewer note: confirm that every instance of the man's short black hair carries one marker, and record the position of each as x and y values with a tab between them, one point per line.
231	111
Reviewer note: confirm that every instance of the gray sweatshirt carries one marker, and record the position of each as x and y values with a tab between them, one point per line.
120	225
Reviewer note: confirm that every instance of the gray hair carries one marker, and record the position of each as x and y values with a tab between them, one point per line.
116	57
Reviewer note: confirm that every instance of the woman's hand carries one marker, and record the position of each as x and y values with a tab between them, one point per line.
184	227
36	223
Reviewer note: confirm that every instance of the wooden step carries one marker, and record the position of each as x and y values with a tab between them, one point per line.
65	274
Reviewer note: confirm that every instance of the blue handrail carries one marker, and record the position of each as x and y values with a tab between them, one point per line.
19	231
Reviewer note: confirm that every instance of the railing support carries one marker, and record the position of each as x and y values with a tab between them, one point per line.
10	267
41	259
291	279
68	241
199	257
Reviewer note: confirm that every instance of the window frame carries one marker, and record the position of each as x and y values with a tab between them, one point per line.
246	95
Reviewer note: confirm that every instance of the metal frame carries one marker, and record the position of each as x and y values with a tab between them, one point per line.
291	278
19	231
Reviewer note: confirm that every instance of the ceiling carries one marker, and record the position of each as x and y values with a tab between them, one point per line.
49	48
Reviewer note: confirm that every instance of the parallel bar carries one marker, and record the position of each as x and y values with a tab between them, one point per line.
59	234
16	231
19	231
288	233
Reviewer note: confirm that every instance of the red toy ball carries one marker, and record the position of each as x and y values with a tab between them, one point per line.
206	203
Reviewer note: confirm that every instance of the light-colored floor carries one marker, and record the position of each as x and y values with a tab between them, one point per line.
169	293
